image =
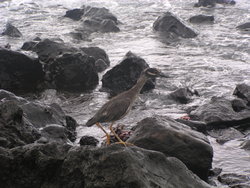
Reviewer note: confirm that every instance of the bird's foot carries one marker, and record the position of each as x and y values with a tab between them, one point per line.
125	143
108	140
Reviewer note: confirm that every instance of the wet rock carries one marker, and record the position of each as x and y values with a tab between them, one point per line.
243	91
224	135
169	26
239	105
101	58
235	180
73	72
56	165
20	120
182	95
11	31
55	133
231	2
88	141
201	19
175	139
245	26
219	113
195	125
124	75
18	72
205	3
246	145
75	14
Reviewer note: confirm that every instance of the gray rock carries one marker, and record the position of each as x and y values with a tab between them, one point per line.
75	14
88	141
201	19
243	91
11	31
169	25
235	180
177	140
245	26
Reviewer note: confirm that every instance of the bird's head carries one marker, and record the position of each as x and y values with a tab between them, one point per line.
153	73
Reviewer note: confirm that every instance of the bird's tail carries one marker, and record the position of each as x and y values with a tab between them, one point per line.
90	122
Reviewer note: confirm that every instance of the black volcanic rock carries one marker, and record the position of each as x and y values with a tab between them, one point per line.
124	75
201	19
245	26
11	31
88	141
75	14
182	95
18	72
177	140
73	73
205	3
56	165
243	91
169	25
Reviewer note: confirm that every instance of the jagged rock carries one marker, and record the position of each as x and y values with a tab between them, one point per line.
11	31
219	113
61	166
243	91
182	95
205	3
20	120
169	26
18	72
75	14
73	73
246	144
175	139
235	180
124	75
224	135
201	19
88	141
239	105
245	26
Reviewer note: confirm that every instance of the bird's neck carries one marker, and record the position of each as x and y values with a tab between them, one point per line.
138	86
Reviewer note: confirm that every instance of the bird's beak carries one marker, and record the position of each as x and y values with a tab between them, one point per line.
163	75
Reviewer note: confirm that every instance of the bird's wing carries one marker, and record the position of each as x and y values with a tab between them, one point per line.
112	110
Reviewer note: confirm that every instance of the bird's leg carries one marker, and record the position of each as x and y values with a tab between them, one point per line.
107	135
118	138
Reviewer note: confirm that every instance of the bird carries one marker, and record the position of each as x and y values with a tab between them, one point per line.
117	107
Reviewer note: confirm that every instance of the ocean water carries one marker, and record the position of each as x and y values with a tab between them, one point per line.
212	63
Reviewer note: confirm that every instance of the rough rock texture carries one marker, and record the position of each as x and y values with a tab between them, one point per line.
201	19
11	31
175	139
182	95
235	180
73	73
206	3
18	72
243	91
195	125
94	19
219	113
61	166
88	141
124	75
171	26
245	26
246	144
21	120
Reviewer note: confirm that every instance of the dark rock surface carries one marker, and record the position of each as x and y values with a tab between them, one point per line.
75	14
224	135
243	91
245	26
170	26
201	19
21	120
219	113
195	125
124	75
11	31
175	139
18	72
88	141
73	73
61	166
235	180
182	95
205	3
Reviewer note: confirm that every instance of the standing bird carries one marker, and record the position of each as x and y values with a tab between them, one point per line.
117	107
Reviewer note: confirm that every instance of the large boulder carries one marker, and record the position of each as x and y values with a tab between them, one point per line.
11	31
124	75
74	72
21	121
170	26
94	19
62	166
220	113
18	72
177	140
